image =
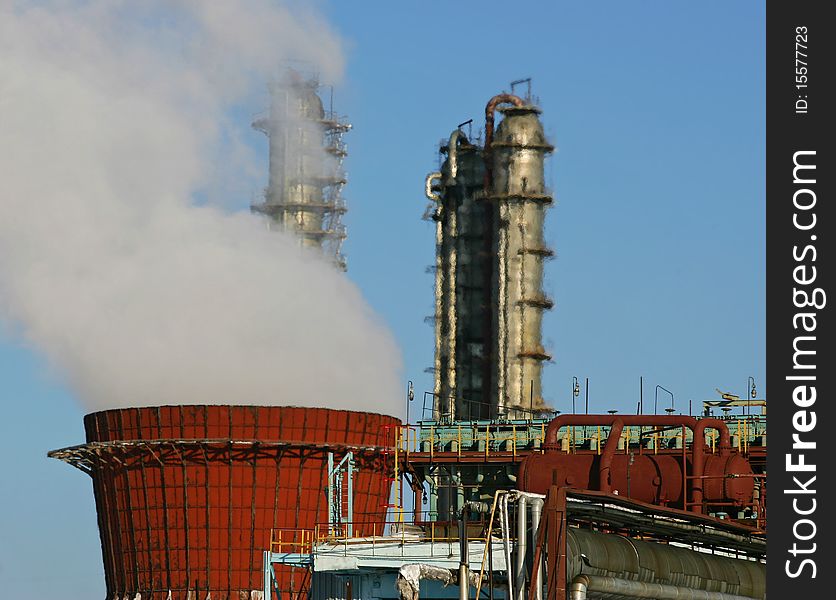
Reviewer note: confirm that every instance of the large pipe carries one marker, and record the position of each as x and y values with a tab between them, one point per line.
624	588
698	456
490	110
594	554
607	454
464	554
453	155
506	542
662	420
536	512
522	541
428	187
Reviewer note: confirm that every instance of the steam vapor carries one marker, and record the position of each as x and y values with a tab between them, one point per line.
120	260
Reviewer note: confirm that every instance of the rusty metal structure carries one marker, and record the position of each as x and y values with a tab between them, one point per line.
188	496
306	176
694	480
489	208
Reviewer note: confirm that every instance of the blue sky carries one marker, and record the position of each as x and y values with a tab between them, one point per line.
657	111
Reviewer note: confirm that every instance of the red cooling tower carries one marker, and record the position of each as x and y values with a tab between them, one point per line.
187	496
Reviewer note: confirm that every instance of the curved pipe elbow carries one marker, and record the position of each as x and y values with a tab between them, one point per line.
490	109
579	587
453	154
719	425
428	186
574	419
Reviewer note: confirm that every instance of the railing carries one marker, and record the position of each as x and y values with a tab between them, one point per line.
478	409
292	541
487	438
372	536
511	438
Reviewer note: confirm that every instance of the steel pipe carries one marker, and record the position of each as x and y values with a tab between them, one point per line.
428	186
452	155
698	456
490	110
522	541
624	588
506	542
663	566
536	512
607	454
662	420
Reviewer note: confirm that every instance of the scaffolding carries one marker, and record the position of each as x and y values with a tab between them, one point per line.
306	177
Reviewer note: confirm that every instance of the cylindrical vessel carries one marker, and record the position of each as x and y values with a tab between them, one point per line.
652	478
187	496
298	168
463	286
306	176
519	194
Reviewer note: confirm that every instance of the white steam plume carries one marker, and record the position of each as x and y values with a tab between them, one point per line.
114	118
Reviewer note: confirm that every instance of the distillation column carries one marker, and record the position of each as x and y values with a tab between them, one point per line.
517	190
489	208
306	176
463	283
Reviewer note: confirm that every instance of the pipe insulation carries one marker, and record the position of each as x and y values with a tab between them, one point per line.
408	582
662	567
592	586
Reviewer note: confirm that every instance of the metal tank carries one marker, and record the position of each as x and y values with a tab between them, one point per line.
304	194
697	479
516	188
187	497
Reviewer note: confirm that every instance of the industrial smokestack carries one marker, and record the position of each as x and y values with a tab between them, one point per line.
304	194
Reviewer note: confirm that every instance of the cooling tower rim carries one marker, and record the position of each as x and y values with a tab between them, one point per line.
86	454
240	406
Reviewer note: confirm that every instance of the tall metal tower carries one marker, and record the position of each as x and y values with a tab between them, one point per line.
489	206
304	194
516	187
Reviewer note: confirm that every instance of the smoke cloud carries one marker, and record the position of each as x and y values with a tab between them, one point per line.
120	260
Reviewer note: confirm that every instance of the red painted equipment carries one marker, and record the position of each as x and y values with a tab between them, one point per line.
187	496
722	478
